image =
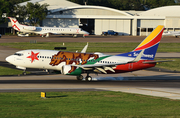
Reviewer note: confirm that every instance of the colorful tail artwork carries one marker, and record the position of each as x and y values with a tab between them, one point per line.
150	44
15	23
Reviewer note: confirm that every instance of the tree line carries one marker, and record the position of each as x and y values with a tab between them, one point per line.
139	5
33	12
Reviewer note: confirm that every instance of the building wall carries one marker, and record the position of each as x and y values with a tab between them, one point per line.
123	27
172	22
145	26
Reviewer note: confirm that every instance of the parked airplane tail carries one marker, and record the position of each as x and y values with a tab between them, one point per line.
15	23
149	44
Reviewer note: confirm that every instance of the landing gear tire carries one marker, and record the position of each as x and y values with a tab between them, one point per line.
24	73
88	78
80	77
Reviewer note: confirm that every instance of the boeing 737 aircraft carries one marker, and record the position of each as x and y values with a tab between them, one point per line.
171	33
69	63
45	31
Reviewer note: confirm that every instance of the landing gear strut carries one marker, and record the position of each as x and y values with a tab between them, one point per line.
24	72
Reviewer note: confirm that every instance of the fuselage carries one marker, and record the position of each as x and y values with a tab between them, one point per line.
53	30
45	30
171	33
55	60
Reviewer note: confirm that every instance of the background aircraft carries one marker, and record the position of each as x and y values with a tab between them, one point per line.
69	63
45	31
171	33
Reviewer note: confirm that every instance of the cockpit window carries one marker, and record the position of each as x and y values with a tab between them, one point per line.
18	54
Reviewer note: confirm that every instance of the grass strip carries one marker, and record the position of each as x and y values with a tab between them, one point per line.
93	47
9	71
91	104
174	65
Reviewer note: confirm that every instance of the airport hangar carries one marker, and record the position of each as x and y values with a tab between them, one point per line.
96	19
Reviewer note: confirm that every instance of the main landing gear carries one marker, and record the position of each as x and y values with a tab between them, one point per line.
24	72
88	78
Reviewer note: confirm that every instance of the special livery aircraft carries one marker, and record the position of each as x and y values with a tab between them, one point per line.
74	63
45	31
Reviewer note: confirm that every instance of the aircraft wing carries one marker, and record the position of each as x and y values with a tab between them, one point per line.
108	66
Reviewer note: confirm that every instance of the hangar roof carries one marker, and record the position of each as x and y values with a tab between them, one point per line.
163	11
92	7
53	4
61	5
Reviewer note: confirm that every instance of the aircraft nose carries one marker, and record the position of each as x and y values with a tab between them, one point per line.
9	59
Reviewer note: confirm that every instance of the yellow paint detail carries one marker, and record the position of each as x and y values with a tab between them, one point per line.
152	35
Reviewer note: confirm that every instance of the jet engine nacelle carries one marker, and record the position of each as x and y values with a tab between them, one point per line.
32	28
71	70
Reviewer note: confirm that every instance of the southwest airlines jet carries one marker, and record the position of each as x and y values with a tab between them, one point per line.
45	31
74	63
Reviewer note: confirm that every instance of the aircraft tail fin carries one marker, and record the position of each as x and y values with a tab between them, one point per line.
15	23
149	45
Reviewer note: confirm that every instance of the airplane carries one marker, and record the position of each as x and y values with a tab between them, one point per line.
75	63
45	31
171	33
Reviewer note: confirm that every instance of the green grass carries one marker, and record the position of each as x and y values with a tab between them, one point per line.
86	104
93	47
9	71
174	65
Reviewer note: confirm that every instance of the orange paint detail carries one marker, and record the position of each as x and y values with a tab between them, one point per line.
70	58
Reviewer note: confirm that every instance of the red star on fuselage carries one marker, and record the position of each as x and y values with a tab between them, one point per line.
33	56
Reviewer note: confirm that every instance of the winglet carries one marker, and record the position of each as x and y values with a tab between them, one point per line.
138	57
85	48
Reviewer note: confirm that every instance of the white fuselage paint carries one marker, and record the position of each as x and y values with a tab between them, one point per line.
20	59
53	30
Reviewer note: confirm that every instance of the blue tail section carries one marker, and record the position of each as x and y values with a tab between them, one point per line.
149	44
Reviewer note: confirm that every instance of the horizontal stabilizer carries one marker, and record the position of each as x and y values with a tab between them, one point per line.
31	28
151	62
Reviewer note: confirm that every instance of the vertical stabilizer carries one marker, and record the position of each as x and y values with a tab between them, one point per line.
149	45
15	23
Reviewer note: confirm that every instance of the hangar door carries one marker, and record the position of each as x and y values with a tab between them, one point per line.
123	27
145	27
65	22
